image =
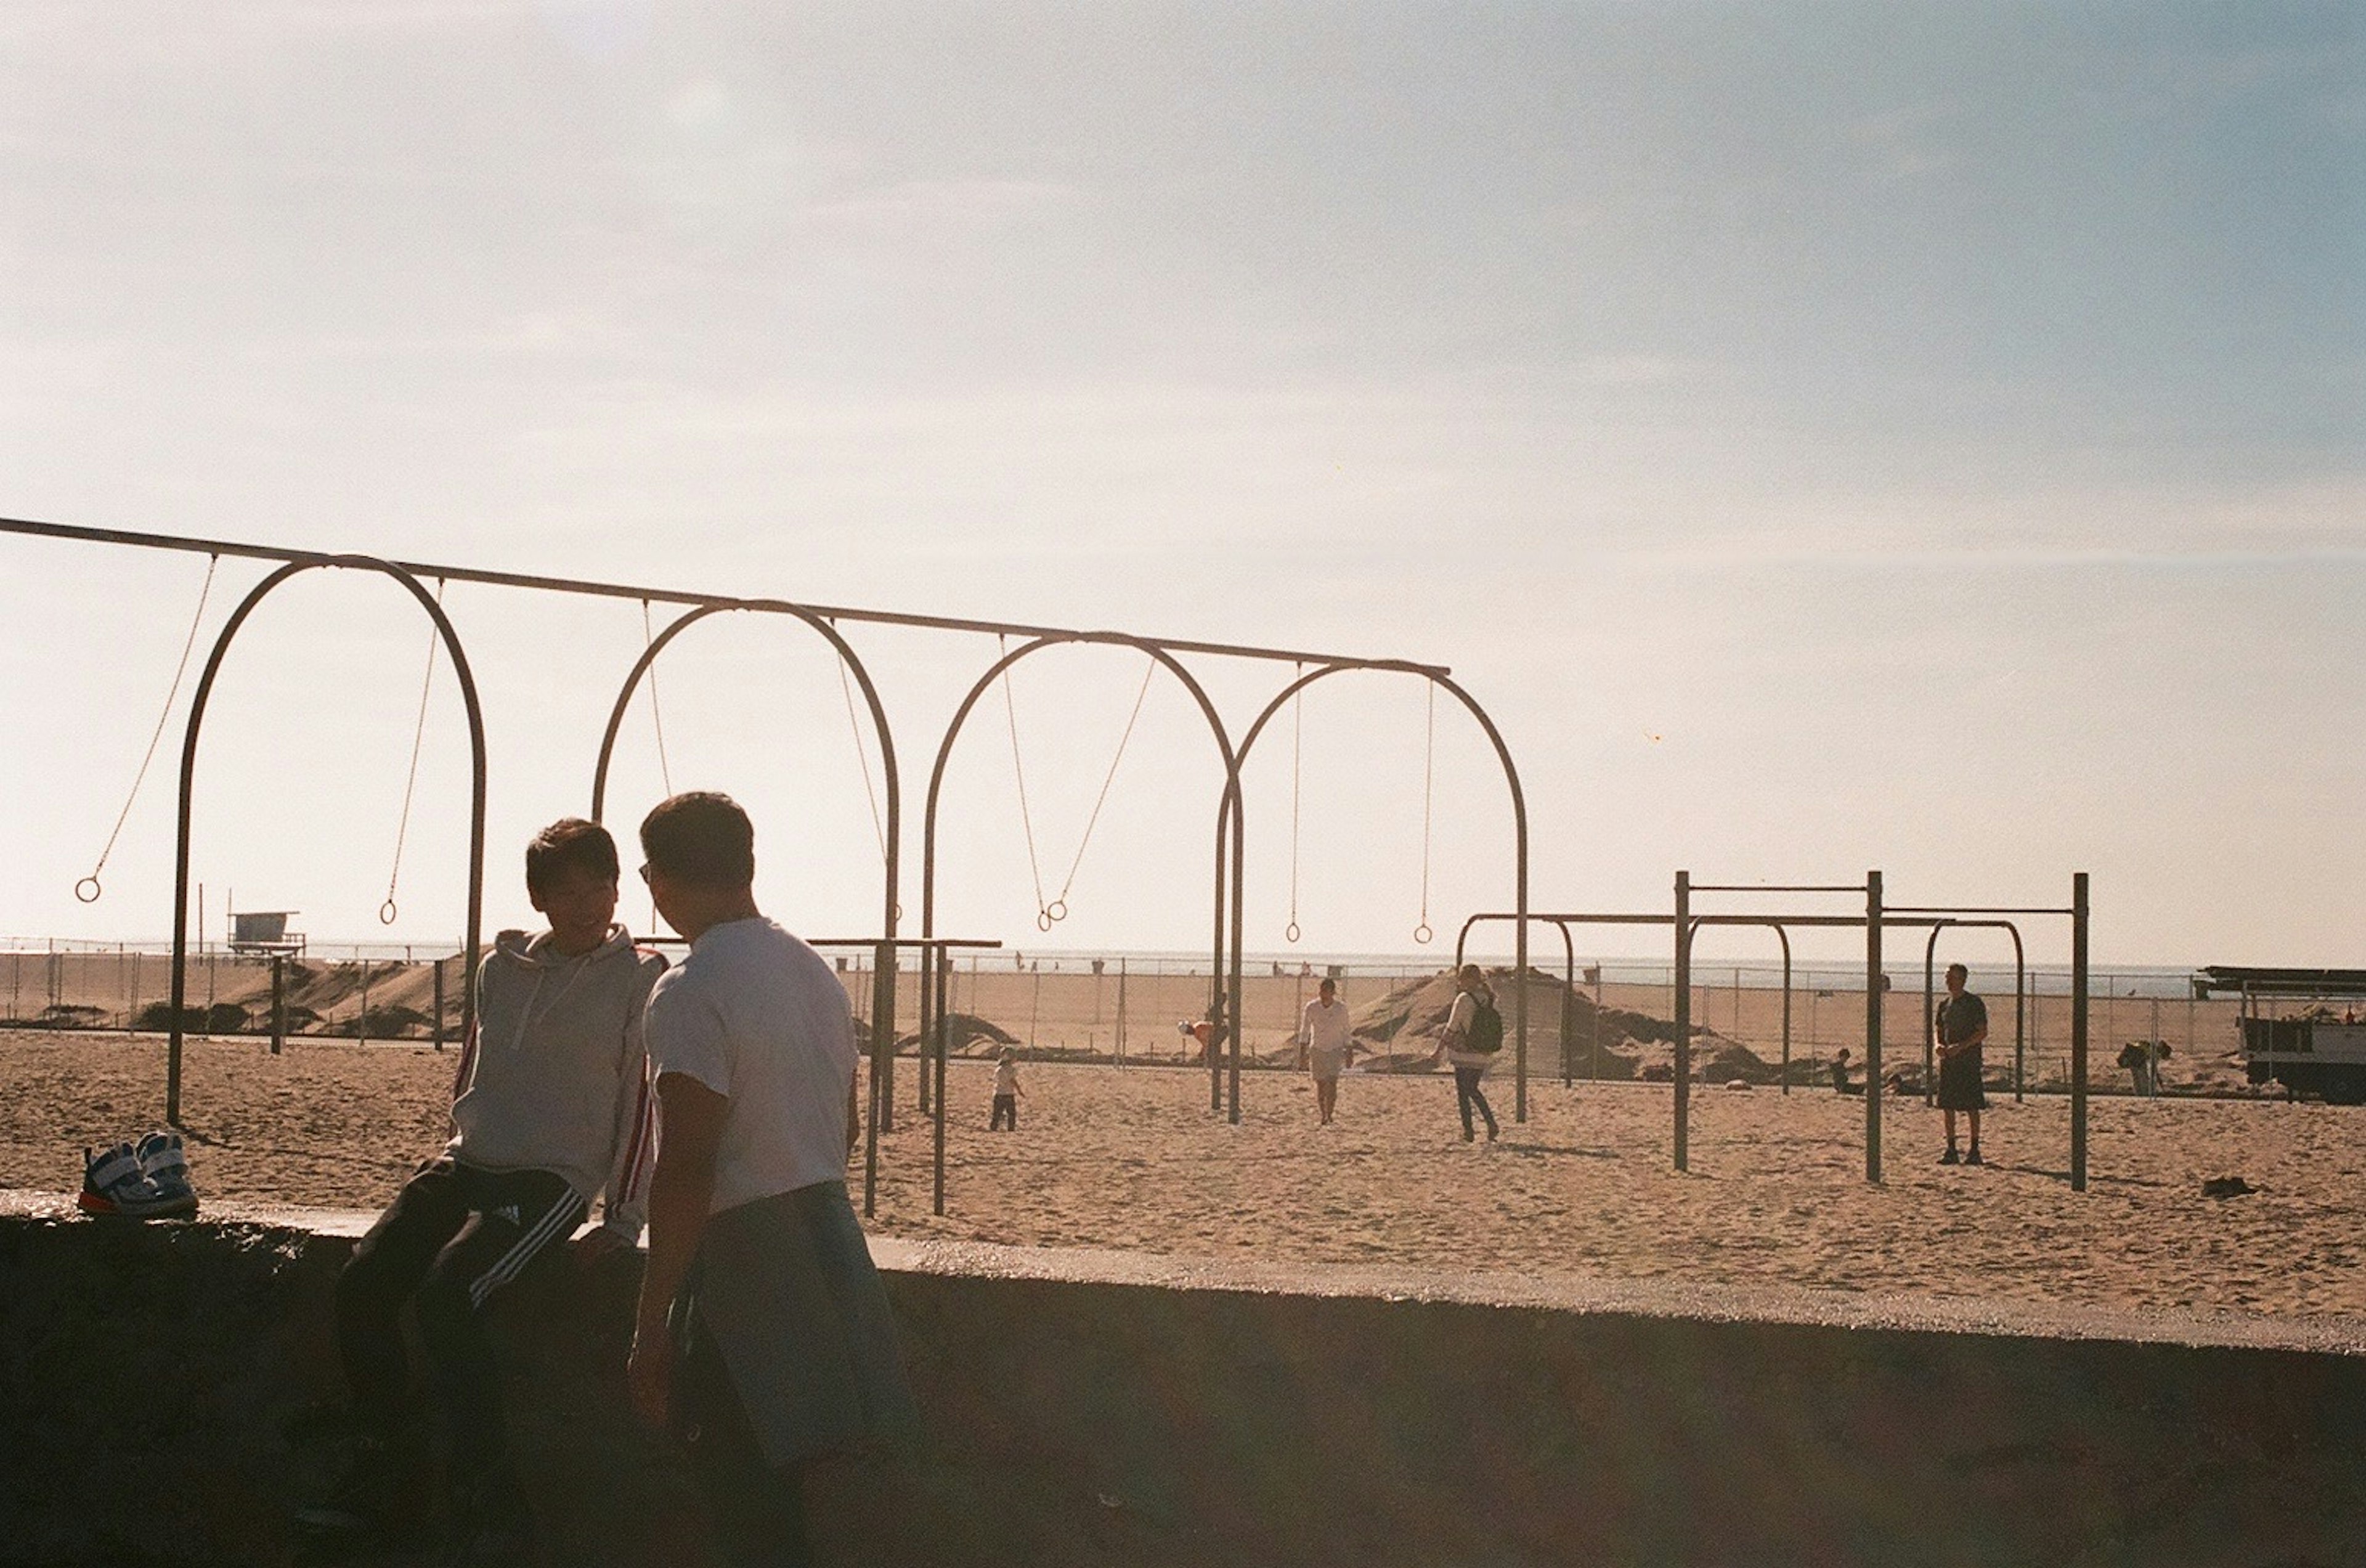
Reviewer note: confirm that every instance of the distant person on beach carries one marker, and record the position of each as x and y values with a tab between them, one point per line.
1007	1091
1323	1029
1204	1033
763	1338
1959	1025
1465	1044
551	1108
1841	1075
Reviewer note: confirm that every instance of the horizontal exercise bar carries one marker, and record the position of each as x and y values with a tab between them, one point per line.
1912	909
857	941
679	596
1776	888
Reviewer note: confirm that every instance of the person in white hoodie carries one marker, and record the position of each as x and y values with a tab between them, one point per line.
551	1110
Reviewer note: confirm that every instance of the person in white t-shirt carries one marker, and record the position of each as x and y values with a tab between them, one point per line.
764	1336
1007	1093
1324	1030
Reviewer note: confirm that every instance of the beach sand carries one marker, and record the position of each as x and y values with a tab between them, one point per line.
1132	1157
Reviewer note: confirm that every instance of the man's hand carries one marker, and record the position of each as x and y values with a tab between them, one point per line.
593	1245
650	1373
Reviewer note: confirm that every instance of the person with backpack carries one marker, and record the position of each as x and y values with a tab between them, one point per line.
1474	1034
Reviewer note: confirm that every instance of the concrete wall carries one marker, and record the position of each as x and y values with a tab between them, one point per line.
165	1391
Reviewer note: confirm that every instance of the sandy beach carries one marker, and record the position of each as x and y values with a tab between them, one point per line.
1132	1157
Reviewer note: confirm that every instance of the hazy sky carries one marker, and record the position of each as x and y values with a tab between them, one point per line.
1825	436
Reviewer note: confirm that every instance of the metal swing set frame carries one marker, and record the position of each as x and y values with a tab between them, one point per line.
1227	947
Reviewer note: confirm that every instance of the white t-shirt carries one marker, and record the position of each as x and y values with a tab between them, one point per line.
1327	1028
1006	1077
757	1016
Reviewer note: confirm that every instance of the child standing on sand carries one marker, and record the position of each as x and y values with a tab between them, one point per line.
1005	1094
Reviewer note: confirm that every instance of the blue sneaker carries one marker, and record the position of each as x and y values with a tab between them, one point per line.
164	1163
112	1184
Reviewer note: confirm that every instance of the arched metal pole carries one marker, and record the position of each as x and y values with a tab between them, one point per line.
188	780
1568	969
931	1026
882	1109
2019	987
1230	807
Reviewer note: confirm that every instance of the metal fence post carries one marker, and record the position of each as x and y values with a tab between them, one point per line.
278	1001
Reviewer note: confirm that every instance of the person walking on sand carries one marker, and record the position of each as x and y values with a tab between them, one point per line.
762	1337
1959	1025
1324	1030
1007	1092
1472	1035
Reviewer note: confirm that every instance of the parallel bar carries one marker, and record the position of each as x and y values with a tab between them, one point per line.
675	596
1972	910
1774	887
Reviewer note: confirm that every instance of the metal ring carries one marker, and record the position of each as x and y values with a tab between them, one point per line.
388	913
1058	909
1043	919
1290	932
1422	934
90	882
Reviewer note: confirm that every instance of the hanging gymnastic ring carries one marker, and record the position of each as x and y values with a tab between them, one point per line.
93	896
1290	932
1422	934
1043	919
1058	909
387	914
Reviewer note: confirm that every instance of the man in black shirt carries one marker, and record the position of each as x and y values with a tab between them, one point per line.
1959	1025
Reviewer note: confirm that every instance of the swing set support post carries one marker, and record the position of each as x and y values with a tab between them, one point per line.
931	1020
1228	811
461	668
882	993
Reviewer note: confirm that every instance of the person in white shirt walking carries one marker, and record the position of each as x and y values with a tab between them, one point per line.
1324	1032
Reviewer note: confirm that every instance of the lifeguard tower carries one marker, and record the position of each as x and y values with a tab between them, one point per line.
264	932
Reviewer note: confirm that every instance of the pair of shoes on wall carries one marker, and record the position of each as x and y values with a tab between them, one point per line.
146	1181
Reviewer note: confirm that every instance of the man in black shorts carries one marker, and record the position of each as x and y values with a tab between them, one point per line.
1959	1026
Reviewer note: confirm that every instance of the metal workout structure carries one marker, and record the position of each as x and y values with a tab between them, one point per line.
1226	985
1686	925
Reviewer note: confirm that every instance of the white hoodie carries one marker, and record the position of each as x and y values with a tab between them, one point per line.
555	1077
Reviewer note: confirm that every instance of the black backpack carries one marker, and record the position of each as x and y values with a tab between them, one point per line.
1486	1035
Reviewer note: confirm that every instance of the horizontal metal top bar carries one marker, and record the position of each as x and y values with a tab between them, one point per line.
1776	888
1911	909
856	941
1889	917
683	596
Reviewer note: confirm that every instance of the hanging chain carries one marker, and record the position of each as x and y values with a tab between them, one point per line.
1297	750
657	714
388	913
1044	919
179	670
1422	933
1058	908
862	757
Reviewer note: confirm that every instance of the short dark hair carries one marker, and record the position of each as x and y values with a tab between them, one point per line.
1959	969
569	844
703	838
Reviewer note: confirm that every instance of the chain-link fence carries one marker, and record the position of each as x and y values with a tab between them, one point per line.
1127	1006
